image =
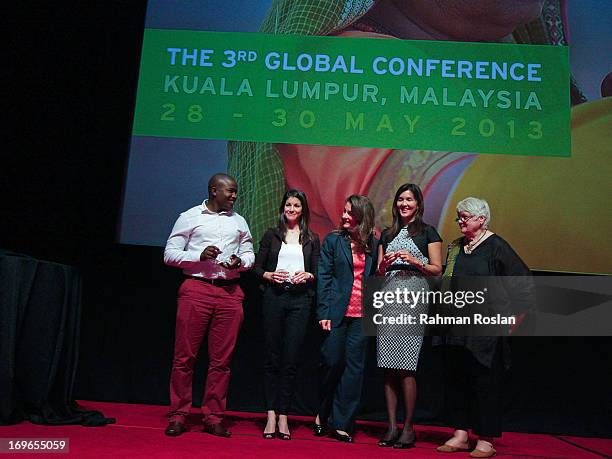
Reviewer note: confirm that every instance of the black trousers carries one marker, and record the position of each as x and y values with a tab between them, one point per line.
474	391
286	315
343	362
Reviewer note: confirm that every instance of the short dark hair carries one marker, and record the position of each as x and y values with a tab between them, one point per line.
219	177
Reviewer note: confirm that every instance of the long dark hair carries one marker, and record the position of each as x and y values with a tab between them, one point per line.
417	226
363	210
304	223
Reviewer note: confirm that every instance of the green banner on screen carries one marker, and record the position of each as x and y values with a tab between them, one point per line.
365	92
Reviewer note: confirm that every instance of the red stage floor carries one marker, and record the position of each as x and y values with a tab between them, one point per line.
139	432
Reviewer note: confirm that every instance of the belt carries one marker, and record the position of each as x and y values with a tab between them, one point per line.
289	287
403	268
217	282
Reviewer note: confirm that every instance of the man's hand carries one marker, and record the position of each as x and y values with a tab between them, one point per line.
325	324
210	253
234	262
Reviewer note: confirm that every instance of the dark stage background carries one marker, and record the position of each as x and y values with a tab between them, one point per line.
61	196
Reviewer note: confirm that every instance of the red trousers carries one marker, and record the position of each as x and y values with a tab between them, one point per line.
203	308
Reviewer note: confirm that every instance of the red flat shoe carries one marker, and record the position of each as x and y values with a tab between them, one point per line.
451	449
480	453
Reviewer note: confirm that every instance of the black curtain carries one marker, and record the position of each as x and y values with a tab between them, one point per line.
40	304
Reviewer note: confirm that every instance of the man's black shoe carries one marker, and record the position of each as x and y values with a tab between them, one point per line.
175	428
217	429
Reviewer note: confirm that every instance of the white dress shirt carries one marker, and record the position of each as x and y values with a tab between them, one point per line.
198	228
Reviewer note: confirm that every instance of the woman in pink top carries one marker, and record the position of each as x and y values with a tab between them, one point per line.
347	257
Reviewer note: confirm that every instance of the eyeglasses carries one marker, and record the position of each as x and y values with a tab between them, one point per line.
465	219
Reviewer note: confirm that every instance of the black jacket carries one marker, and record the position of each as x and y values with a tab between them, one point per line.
267	256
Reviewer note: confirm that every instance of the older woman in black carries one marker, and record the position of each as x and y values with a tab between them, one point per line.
474	364
287	260
348	256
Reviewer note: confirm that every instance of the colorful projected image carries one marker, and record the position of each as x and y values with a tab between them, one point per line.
551	210
531	193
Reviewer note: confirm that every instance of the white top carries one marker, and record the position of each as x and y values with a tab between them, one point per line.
290	258
196	229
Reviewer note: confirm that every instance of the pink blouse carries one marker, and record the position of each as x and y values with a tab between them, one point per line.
354	306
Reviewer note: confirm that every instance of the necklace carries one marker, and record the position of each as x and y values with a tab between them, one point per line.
469	248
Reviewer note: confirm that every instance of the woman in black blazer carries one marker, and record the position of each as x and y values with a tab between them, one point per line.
347	258
287	261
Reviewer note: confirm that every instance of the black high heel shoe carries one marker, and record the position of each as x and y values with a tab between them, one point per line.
270	435
387	443
341	437
319	430
406	444
280	435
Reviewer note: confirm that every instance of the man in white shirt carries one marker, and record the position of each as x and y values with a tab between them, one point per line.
212	245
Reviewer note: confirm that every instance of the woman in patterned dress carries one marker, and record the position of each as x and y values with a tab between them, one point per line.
410	250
